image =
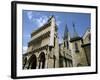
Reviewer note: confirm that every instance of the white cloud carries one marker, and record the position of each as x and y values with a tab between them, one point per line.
42	20
24	49
58	22
27	36
60	40
29	15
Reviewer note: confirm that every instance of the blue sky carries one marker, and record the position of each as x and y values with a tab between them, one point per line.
32	20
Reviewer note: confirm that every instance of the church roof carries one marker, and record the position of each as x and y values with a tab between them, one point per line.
75	39
84	45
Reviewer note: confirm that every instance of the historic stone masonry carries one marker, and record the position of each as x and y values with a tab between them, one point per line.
44	50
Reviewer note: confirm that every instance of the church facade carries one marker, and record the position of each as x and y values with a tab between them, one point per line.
45	51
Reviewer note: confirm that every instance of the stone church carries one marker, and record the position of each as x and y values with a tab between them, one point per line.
45	51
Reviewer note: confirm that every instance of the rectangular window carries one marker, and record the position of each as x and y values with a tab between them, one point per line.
64	44
76	47
67	45
54	41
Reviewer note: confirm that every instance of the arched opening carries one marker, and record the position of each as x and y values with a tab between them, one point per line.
42	60
32	62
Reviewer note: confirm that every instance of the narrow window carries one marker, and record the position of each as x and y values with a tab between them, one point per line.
64	44
67	45
76	47
54	41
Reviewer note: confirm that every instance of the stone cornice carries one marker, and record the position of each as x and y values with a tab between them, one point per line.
41	28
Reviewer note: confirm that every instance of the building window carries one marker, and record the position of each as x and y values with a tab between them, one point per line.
64	44
67	45
54	41
50	48
76	47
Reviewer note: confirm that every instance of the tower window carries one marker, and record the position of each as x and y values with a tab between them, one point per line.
64	44
76	47
54	41
67	45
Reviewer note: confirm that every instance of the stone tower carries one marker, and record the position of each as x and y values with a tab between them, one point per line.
65	52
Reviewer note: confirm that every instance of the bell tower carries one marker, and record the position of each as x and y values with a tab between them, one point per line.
66	37
66	56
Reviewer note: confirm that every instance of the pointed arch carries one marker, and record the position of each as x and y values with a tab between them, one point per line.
42	60
32	62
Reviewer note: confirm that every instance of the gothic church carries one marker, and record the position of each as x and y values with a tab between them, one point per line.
45	51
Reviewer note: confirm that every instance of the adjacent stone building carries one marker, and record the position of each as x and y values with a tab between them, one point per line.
44	50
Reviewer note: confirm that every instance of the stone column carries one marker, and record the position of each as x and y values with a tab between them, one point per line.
46	61
37	61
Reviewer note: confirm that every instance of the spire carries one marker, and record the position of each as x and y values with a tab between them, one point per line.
66	32
50	18
75	34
